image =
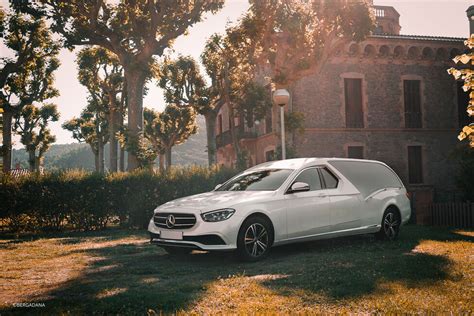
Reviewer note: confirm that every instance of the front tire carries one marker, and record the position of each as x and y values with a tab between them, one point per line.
390	225
254	239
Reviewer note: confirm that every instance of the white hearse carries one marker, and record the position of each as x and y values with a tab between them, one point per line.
287	201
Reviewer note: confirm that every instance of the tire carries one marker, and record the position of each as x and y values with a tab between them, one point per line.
177	251
390	225
254	239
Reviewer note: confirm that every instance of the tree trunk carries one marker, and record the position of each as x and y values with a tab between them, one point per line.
113	137
234	133
168	158
96	160
31	160
38	163
135	82
122	159
162	163
7	141
101	154
210	118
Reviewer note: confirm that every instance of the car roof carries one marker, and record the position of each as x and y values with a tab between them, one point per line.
297	163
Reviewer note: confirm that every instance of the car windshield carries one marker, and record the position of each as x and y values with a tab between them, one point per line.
261	180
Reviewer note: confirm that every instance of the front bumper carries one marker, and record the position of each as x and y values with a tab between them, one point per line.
203	235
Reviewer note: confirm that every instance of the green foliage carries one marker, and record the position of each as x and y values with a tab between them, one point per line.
32	126
28	75
135	31
294	122
183	84
87	201
171	127
294	37
467	75
140	146
290	152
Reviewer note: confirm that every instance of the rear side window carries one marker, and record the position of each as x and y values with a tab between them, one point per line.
330	180
311	177
366	176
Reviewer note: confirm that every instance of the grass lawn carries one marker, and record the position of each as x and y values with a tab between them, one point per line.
117	271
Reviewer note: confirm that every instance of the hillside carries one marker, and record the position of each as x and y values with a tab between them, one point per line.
77	155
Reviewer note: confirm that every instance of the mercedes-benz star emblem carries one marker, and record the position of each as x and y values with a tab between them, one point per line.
170	221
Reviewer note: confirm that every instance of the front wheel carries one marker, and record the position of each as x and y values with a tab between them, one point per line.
254	239
390	225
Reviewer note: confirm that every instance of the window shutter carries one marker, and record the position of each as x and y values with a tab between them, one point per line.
353	97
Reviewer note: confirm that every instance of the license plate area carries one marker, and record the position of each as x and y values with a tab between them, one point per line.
170	234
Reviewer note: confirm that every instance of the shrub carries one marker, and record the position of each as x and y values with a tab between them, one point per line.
88	201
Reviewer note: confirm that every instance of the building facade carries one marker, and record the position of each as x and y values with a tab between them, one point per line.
388	98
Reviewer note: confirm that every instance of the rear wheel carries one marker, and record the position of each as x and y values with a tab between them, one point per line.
177	251
254	239
390	225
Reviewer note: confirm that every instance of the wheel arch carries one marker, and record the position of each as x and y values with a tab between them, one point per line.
263	215
394	207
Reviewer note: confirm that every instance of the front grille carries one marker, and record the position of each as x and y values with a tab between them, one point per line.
182	221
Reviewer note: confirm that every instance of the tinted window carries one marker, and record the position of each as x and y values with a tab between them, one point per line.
330	180
262	180
311	177
366	176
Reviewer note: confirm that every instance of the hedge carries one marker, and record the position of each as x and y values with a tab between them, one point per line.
86	201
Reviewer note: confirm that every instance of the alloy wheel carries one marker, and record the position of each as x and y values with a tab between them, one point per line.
390	225
256	240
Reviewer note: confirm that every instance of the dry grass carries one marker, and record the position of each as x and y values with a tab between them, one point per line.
426	270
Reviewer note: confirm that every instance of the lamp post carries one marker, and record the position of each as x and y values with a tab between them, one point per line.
281	97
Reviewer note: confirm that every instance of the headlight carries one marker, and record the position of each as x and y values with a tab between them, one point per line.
218	215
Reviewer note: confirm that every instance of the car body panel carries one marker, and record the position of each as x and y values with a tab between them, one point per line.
302	216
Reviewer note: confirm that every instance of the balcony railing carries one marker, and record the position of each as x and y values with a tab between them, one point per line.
226	138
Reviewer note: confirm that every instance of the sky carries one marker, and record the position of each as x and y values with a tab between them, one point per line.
417	17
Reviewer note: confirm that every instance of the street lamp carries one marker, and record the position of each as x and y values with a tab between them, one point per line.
281	97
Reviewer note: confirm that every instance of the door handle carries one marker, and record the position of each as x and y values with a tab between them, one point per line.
321	195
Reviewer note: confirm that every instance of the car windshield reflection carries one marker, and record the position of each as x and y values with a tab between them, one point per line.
261	180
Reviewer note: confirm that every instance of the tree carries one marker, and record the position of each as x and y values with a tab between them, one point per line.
235	82
135	31
184	85
296	38
467	75
32	126
171	127
101	72
28	76
92	127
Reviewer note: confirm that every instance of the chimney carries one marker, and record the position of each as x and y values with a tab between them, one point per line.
470	16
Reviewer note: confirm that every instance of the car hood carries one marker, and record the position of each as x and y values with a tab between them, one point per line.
214	200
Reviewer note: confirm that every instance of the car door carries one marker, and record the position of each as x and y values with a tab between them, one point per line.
308	213
346	206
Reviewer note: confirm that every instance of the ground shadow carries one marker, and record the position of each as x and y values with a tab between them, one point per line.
135	277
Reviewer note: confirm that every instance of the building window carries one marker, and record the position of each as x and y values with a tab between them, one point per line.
415	165
270	155
463	101
268	122
356	152
219	124
353	97
412	97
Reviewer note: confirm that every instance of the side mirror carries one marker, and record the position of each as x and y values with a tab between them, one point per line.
218	186
299	187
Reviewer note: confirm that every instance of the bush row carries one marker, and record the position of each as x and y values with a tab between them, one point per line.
87	201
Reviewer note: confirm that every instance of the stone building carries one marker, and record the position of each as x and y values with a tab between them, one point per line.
387	98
